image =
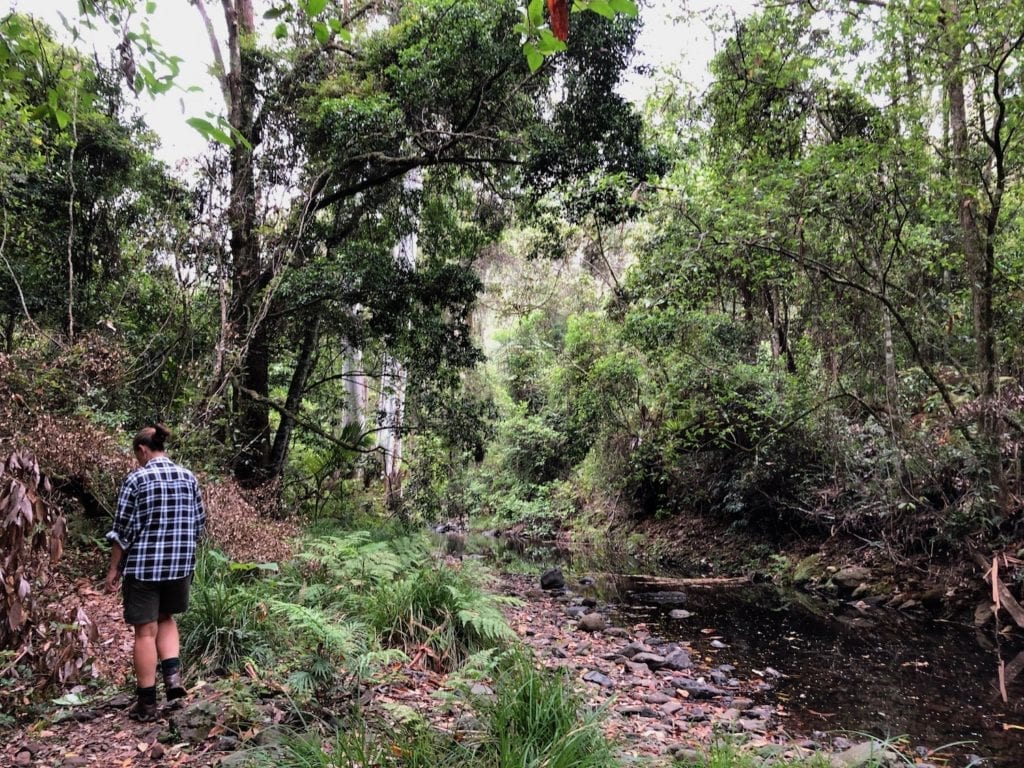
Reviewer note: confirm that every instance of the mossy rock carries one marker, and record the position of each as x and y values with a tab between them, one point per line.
811	568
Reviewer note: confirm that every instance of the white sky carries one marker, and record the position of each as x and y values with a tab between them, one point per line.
176	24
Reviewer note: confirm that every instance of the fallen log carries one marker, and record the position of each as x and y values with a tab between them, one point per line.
667	581
1001	596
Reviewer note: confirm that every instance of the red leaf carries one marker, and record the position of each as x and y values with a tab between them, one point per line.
558	10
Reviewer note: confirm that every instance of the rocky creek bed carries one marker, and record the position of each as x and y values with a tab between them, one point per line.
664	700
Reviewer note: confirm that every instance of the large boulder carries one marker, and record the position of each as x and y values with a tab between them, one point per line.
552	579
851	577
592	622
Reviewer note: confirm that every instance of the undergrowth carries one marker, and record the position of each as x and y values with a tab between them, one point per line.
533	719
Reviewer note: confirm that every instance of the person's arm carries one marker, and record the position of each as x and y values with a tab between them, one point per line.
122	535
114	572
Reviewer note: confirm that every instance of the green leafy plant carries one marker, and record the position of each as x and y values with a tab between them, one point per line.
536	719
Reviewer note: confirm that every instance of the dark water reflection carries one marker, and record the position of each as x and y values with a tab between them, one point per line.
872	671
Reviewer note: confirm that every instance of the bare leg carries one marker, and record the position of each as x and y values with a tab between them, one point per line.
144	653
167	642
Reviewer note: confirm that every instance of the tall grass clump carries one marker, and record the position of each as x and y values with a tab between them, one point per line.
724	753
222	626
536	719
357	745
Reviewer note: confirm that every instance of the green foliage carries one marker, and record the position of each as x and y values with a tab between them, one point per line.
222	628
436	611
533	720
726	753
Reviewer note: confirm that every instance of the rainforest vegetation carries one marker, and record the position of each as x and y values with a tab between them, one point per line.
434	266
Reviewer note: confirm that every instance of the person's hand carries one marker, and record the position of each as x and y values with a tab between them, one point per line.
113	580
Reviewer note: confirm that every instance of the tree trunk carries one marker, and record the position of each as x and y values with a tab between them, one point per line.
393	376
247	331
356	391
978	250
293	403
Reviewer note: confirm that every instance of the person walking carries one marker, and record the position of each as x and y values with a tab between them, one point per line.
159	520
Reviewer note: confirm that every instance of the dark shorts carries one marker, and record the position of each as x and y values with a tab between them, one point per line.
146	601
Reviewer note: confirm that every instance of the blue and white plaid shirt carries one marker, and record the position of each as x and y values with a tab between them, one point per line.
160	516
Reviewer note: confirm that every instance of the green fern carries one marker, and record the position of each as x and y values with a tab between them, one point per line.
311	627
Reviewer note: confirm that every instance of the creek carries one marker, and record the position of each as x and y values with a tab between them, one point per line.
834	667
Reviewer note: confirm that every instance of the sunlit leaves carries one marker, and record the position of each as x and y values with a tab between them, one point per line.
211	131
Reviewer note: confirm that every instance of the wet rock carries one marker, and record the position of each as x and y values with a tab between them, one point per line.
589	602
652	660
679	613
808	569
599	678
868	754
635	710
552	579
667	597
696	689
632	649
592	622
670	708
641	670
576	611
851	577
686	754
657	698
861	591
718	676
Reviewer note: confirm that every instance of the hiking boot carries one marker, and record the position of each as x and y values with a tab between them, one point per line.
173	688
143	711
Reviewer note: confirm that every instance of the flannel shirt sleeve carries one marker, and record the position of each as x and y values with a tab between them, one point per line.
126	522
200	510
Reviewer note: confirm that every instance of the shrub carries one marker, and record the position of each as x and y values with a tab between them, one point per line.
436	614
221	628
46	646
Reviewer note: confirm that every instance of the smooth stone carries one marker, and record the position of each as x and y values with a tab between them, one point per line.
592	622
599	678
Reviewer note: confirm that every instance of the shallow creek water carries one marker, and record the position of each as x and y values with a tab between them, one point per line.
874	671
